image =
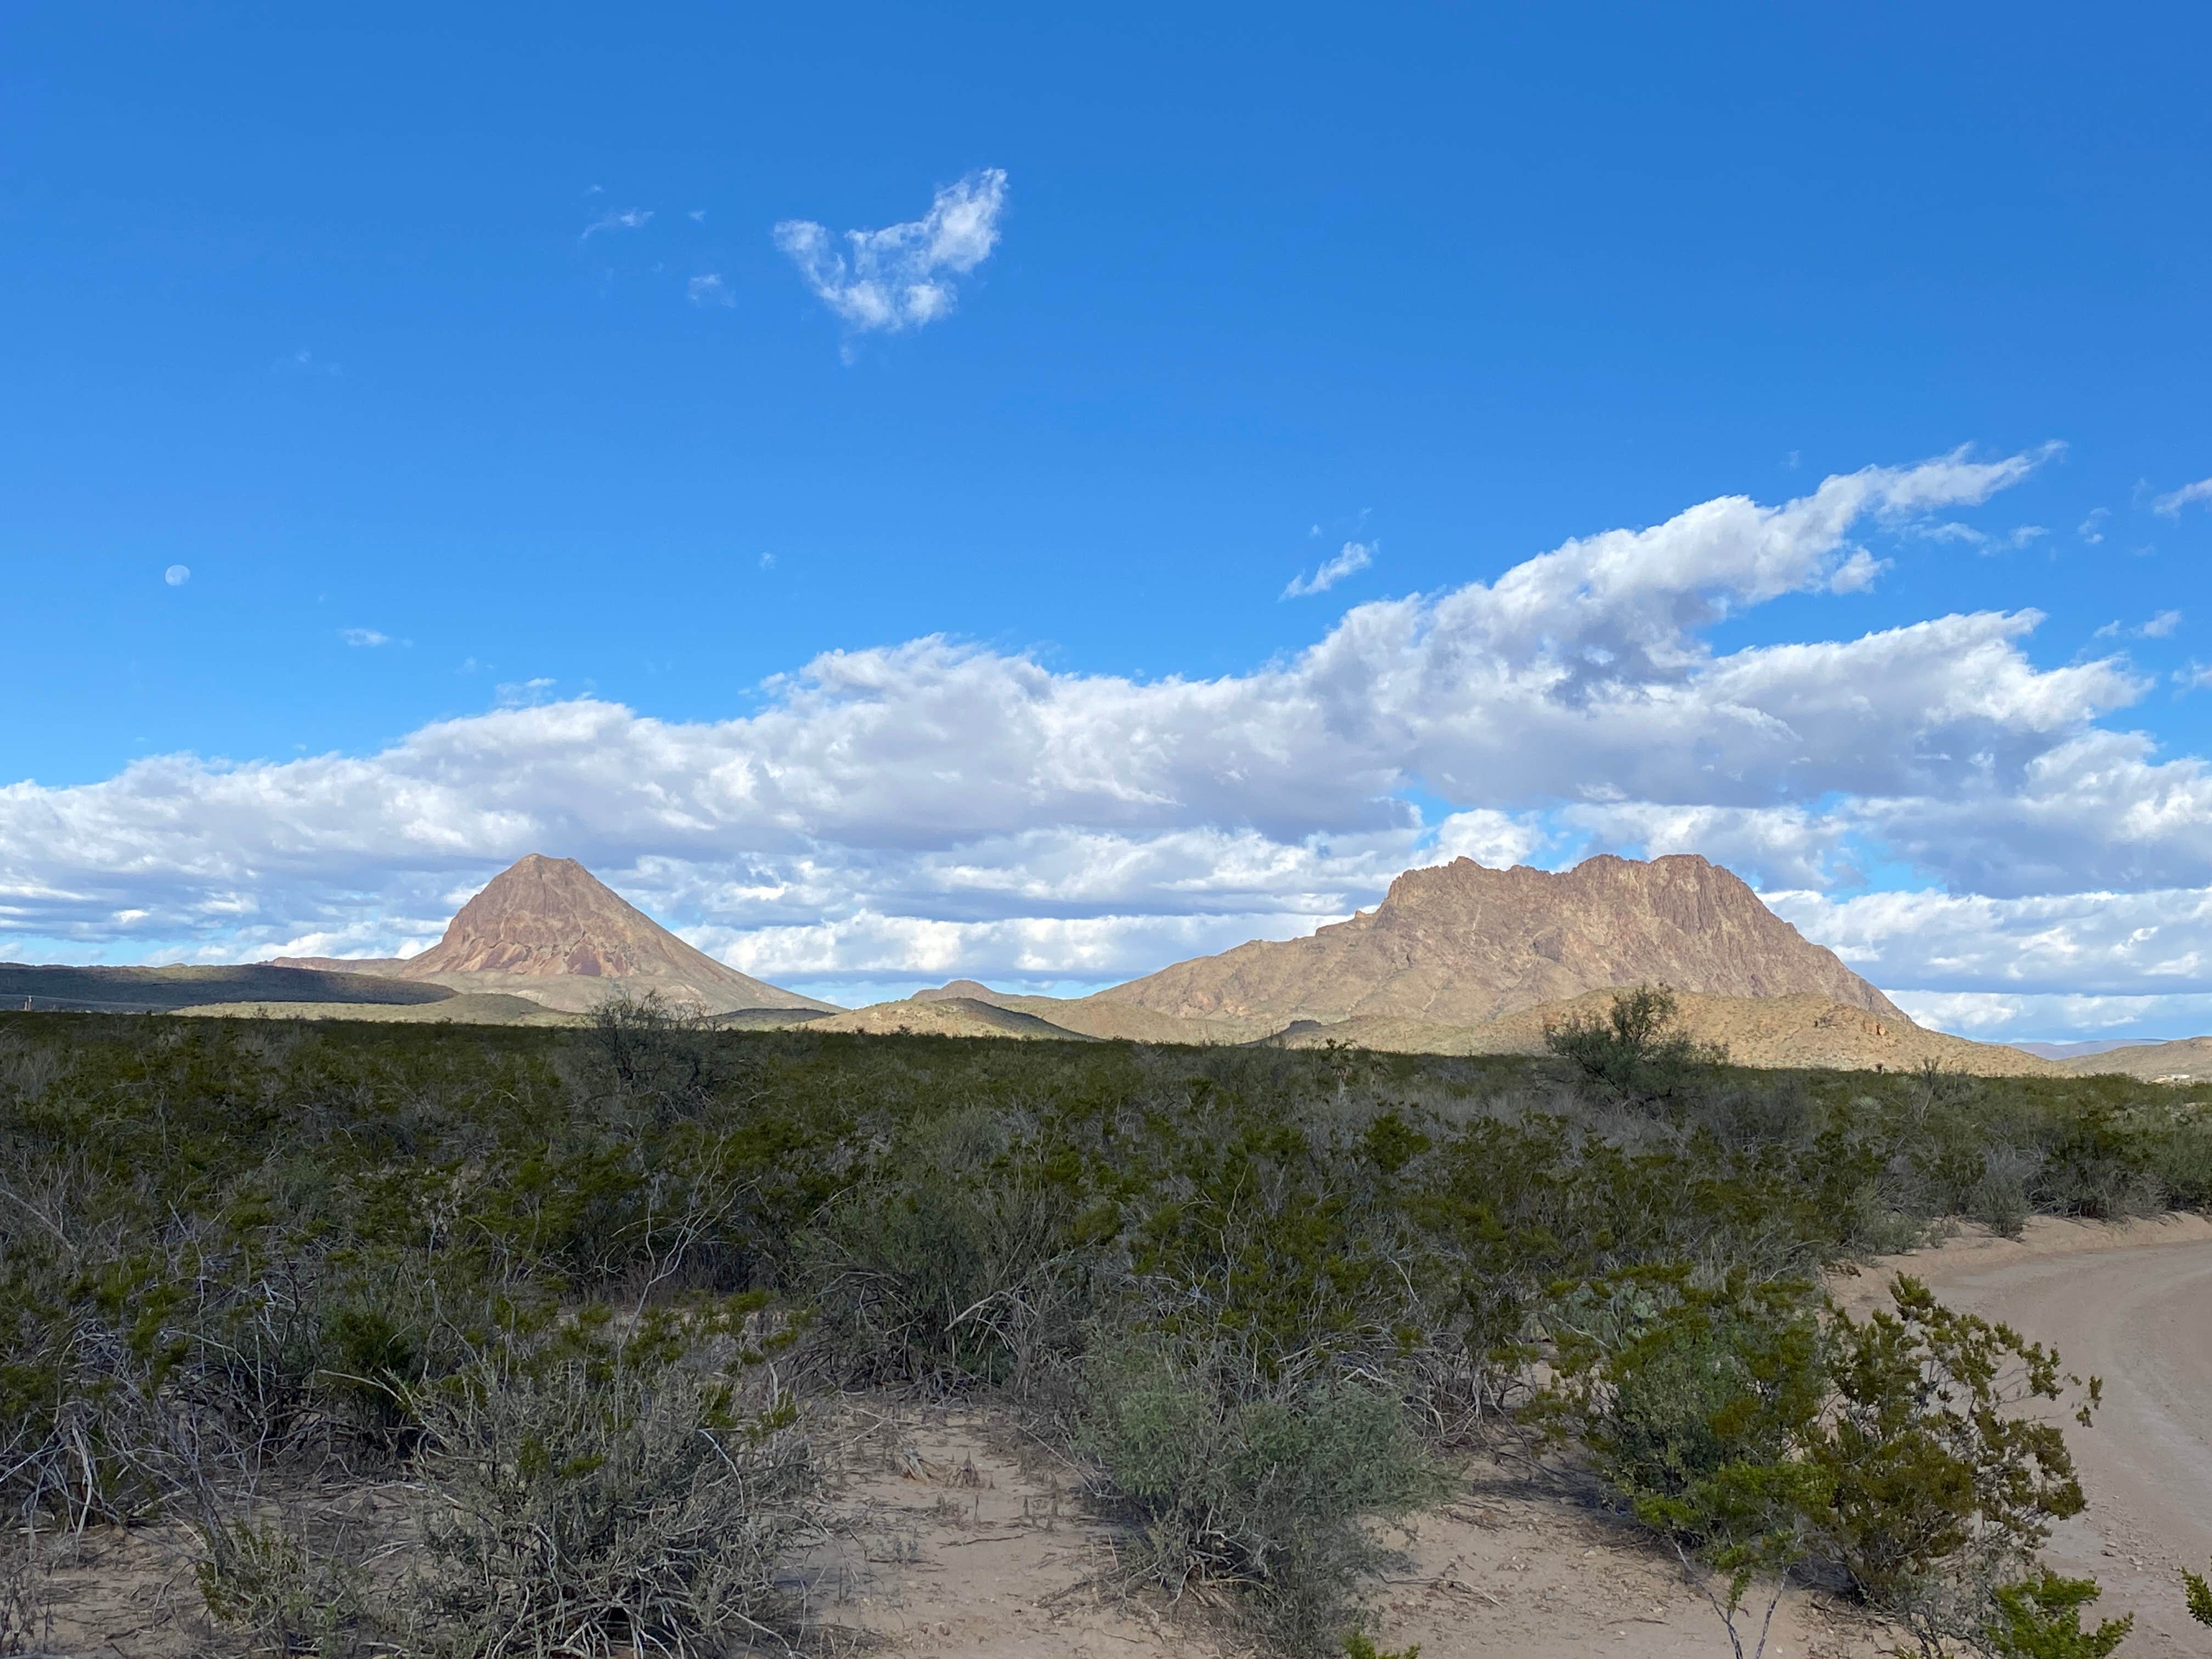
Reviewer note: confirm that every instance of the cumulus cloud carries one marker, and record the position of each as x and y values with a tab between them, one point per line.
935	807
2095	943
901	276
2172	501
1355	557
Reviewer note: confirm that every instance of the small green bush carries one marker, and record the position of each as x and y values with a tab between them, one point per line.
2199	1594
2041	1619
1764	1436
1634	1052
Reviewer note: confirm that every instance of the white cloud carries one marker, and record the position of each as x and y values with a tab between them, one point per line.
1355	557
1996	1017
364	636
2011	542
627	219
934	806
708	290
2172	501
2091	529
2083	944
2157	627
900	277
177	574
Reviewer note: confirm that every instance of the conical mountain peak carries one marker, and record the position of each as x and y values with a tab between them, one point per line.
551	920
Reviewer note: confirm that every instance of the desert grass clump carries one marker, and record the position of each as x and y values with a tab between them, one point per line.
1226	1481
577	1510
268	1579
958	1265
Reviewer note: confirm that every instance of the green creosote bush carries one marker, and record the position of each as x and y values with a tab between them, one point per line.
1635	1053
1360	1645
1227	1480
1767	1437
2040	1617
2198	1593
233	1253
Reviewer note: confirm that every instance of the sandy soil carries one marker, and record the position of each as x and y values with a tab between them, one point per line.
961	1538
975	1544
2131	1304
964	1539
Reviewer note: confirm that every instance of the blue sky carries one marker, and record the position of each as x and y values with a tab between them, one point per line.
478	338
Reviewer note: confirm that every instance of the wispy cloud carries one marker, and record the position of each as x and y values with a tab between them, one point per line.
627	219
697	216
2091	529
2172	501
2011	542
367	638
709	290
1355	557
2157	627
899	277
524	693
304	361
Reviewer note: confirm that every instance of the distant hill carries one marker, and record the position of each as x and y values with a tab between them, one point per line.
548	930
457	1008
160	990
2081	1050
1806	1030
935	1014
1793	1031
2188	1061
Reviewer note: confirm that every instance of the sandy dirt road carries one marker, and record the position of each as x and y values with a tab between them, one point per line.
2131	1304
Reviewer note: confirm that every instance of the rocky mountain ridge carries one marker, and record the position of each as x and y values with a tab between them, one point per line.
1462	945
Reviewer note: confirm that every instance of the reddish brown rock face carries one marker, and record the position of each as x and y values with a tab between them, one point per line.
1461	944
549	930
547	917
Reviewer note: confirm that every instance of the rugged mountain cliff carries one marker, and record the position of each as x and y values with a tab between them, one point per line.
1459	944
